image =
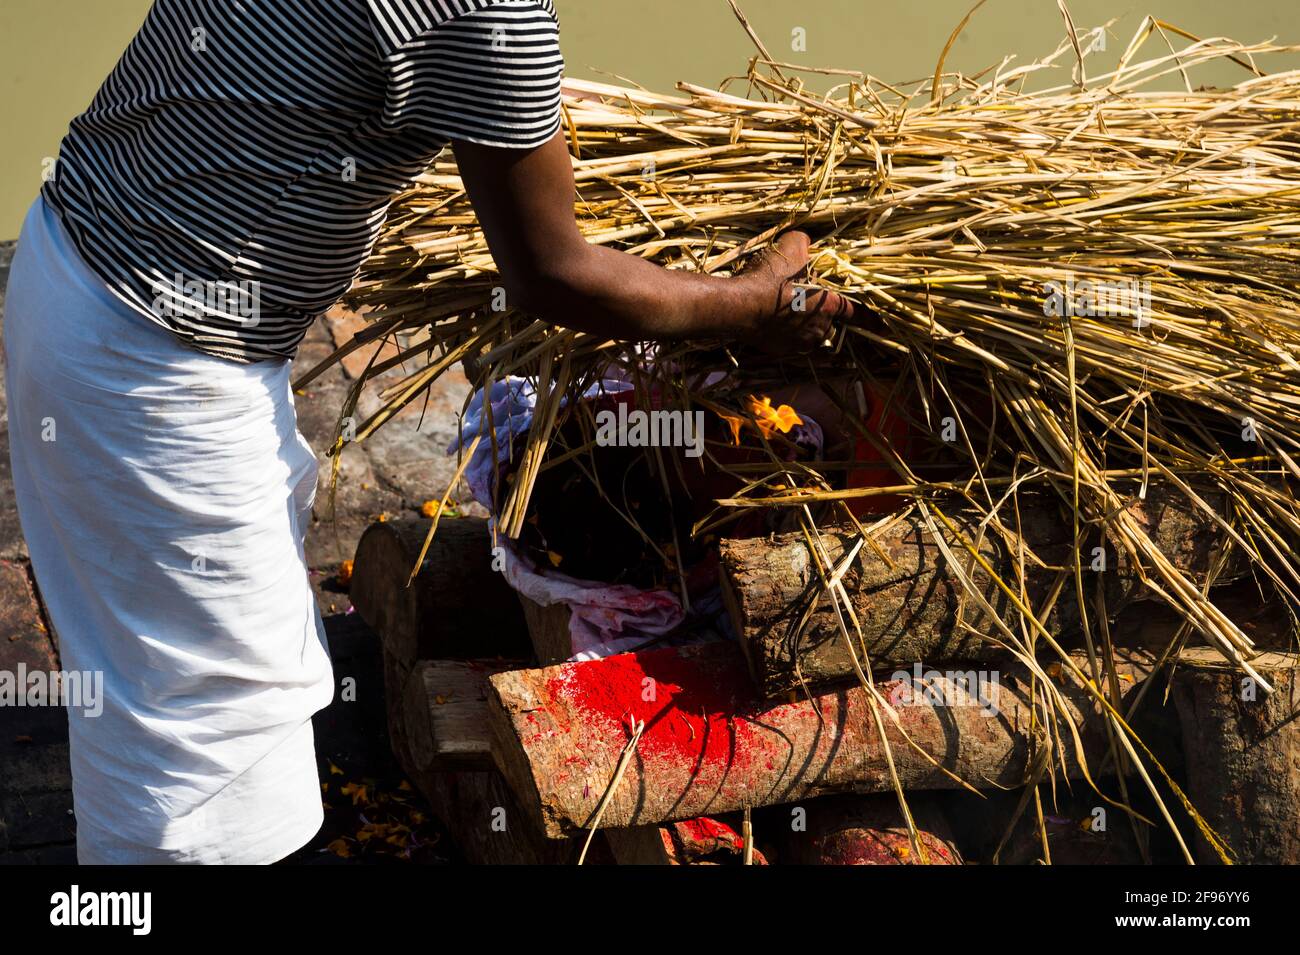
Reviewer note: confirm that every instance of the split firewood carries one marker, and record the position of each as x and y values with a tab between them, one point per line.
487	826
711	745
457	606
912	606
447	756
444	713
548	629
643	845
1242	749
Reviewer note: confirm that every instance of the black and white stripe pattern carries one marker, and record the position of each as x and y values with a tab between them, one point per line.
252	147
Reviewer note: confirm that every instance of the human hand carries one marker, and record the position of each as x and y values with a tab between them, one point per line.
793	317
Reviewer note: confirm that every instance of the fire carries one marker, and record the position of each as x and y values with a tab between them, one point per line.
764	417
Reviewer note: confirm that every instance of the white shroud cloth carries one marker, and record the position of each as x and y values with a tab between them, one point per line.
164	495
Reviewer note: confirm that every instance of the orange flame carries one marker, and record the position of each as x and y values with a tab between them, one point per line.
766	419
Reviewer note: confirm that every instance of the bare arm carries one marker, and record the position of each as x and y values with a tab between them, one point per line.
524	201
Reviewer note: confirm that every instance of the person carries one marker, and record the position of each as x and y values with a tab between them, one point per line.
221	191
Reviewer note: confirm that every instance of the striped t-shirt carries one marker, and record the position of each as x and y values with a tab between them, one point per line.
234	170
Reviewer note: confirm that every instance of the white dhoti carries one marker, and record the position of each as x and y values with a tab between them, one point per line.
164	495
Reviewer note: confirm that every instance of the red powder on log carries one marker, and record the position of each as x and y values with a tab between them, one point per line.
699	839
705	831
695	704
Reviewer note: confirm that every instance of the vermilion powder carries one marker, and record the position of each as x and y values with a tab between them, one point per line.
695	707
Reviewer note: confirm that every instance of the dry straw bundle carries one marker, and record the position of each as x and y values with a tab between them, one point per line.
1098	285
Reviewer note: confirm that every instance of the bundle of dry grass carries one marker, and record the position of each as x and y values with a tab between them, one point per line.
1096	288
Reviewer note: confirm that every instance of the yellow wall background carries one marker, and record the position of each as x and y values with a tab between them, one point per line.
55	53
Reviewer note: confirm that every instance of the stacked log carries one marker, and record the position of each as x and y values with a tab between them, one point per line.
712	745
443	714
870	830
456	607
1242	748
911	606
516	757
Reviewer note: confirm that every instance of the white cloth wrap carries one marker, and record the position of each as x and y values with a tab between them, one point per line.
604	618
164	495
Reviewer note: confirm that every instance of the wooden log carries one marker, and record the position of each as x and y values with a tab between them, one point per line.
548	629
869	830
643	845
1242	749
711	746
448	758
909	605
703	841
486	824
709	841
457	606
1080	827
446	722
444	713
